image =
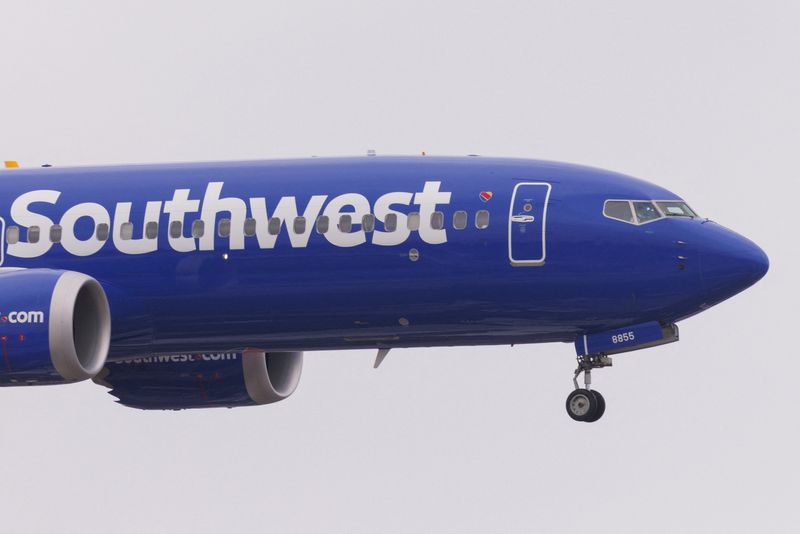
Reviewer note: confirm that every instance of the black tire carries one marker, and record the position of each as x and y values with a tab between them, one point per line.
601	407
581	405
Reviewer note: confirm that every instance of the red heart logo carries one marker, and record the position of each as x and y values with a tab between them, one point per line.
486	196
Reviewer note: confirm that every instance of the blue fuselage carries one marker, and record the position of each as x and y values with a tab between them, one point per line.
277	267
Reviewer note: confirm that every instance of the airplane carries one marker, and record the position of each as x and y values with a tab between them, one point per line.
201	285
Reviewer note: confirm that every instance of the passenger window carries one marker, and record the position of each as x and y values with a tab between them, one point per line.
322	224
482	219
390	222
102	232
126	230
437	220
368	222
460	220
224	228
413	221
55	233
176	229
249	227
274	226
151	230
12	235
645	211
33	234
299	225
618	209
198	228
345	223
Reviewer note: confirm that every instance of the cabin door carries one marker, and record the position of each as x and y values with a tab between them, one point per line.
527	224
2	240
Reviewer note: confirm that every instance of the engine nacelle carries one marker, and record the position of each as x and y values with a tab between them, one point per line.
182	381
55	327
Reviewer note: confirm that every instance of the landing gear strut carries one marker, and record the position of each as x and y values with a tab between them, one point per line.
585	404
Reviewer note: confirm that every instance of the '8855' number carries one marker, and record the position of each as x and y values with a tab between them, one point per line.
622	338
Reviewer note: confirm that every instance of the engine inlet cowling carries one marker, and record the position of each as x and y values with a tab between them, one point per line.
271	376
55	327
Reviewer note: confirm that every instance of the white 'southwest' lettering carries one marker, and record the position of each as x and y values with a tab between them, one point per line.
24	217
177	208
70	242
141	245
184	358
285	212
335	209
215	205
383	207
427	201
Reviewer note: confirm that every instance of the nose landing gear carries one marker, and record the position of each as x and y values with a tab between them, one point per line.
585	404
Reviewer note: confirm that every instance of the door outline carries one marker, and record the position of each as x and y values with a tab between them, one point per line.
2	240
540	261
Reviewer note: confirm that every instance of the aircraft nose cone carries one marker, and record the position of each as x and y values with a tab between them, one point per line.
729	262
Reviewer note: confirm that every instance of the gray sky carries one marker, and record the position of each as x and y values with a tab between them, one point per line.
701	98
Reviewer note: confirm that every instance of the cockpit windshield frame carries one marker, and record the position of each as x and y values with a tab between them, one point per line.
654	203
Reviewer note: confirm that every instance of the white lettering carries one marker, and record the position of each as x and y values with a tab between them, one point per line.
24	217
177	208
334	210
212	205
141	245
183	358
355	205
427	201
70	242
25	317
383	207
286	212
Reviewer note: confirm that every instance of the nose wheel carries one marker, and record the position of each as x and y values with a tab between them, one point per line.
585	404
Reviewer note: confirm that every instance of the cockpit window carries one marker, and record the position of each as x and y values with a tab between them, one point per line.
618	209
676	208
645	211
